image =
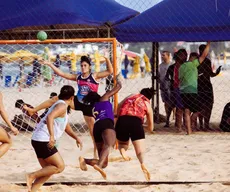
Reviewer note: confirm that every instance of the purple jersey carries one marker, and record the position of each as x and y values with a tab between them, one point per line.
103	110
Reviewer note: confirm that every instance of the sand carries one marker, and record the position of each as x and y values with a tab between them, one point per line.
201	157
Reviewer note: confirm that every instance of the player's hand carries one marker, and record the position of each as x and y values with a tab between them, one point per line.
29	110
218	70
79	143
14	130
45	62
51	143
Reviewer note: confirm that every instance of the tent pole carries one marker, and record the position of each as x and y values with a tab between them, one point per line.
155	84
108	32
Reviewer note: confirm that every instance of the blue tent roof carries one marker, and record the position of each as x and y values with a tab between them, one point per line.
18	13
179	20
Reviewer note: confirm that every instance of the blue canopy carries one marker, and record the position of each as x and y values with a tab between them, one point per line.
18	13
179	20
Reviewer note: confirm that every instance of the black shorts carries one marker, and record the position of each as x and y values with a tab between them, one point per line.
206	99
42	150
86	109
191	101
129	127
99	127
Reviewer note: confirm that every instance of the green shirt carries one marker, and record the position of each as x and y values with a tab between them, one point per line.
188	76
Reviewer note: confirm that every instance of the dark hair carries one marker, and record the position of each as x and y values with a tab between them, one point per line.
194	54
53	94
147	92
66	93
19	103
202	48
179	55
175	56
85	59
91	98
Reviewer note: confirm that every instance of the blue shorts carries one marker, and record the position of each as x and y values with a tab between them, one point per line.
176	98
165	96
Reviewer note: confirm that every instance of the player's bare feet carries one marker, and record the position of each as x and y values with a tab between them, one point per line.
82	164
123	154
146	172
29	181
103	174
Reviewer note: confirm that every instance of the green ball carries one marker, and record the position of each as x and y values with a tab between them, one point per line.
41	35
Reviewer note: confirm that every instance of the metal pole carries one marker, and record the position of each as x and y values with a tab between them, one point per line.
155	84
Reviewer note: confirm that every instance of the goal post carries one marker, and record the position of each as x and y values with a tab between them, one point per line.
17	59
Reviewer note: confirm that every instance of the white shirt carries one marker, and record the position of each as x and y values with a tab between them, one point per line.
41	132
163	67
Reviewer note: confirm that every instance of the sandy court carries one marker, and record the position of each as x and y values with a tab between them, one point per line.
169	157
199	157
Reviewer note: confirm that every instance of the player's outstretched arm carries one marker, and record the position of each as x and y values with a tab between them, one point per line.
68	76
46	104
112	92
107	72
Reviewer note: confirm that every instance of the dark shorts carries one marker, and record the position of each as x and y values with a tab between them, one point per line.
86	109
176	98
99	127
191	101
129	127
42	150
206	99
165	96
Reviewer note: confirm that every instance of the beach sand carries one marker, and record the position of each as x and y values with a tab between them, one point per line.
201	157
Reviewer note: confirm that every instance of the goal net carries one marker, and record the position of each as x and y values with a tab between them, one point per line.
24	79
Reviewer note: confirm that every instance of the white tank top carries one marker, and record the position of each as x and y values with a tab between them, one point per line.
41	132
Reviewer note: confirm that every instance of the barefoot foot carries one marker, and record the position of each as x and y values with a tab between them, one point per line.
146	172
103	174
29	182
82	164
125	157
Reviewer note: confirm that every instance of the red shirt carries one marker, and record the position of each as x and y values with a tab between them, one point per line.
135	106
176	83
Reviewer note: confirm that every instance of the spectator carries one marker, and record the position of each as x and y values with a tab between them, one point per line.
205	90
172	76
1	74
68	63
126	62
21	67
36	69
193	56
24	122
20	103
163	67
57	63
188	76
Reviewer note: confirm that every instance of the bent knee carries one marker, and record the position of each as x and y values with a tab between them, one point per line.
7	140
109	147
60	168
105	164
